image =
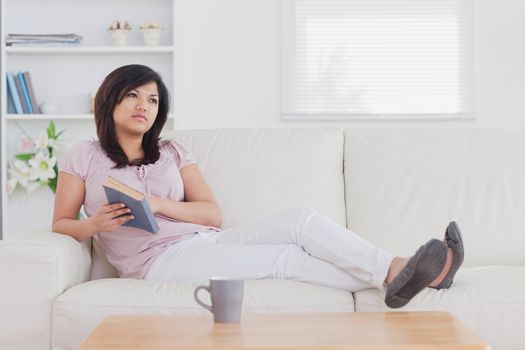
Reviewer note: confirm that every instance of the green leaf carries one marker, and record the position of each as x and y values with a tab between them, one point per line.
52	183
24	156
60	133
51	130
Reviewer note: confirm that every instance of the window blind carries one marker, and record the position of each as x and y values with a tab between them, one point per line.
377	58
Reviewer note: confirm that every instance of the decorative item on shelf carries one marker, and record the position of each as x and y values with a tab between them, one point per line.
119	32
36	166
91	97
48	108
151	33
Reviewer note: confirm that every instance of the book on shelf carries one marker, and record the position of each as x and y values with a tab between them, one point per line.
43	39
25	92
29	85
21	96
11	109
117	192
23	102
13	93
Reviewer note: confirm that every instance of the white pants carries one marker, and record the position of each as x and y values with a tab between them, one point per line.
298	244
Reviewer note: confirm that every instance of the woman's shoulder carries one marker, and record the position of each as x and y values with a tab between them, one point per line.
177	152
85	148
80	157
171	145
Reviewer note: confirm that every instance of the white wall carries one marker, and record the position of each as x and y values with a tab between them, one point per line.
227	75
227	66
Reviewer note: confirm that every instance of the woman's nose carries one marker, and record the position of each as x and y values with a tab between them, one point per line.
141	106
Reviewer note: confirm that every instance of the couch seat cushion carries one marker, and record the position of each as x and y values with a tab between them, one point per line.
81	308
491	300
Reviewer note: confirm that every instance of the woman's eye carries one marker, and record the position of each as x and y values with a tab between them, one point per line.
154	101
132	94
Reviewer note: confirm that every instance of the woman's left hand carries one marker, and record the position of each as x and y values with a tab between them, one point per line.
155	203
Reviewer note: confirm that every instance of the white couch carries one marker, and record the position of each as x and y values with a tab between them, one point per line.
395	187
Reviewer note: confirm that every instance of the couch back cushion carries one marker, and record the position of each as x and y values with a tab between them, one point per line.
255	173
403	186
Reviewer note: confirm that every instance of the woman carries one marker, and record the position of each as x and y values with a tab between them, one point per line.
131	107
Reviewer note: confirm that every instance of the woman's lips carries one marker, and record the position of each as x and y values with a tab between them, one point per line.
139	116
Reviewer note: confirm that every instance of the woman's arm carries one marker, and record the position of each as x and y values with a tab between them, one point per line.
69	197
200	206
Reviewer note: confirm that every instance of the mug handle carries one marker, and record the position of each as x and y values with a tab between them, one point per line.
195	295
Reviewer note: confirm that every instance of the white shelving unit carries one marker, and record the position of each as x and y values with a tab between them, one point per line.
66	76
89	50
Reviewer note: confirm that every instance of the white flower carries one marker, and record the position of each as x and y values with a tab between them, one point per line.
18	174
42	142
32	186
21	171
11	185
56	145
12	180
42	167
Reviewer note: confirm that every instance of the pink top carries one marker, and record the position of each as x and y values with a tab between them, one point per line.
130	250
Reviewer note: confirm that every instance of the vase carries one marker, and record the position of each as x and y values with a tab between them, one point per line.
119	37
151	36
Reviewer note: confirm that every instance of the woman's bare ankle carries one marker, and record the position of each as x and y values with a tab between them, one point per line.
443	273
397	264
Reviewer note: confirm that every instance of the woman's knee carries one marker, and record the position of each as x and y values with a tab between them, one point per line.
291	255
302	212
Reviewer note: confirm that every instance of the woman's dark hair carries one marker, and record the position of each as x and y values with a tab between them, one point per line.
113	89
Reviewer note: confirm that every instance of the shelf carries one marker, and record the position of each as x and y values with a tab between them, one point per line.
87	116
87	49
16	117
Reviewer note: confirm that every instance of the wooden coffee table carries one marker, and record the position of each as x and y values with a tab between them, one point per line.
389	330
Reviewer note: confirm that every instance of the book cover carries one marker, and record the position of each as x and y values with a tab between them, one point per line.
18	84
117	192
29	85
14	93
10	104
25	92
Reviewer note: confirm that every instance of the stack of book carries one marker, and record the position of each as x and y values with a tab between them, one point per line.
43	39
20	94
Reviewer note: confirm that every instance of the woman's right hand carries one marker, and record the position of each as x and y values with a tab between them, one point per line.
108	217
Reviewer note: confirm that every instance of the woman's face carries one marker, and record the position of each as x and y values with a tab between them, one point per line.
137	111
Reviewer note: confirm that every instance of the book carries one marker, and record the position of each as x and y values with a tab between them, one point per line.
38	39
18	84
10	104
14	93
117	192
29	85
25	92
64	37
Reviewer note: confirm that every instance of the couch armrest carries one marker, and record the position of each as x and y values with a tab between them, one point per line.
34	270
